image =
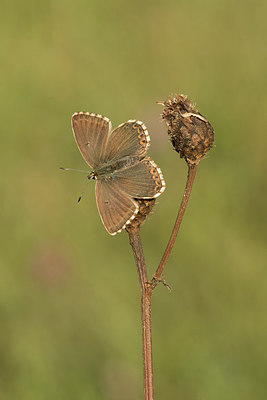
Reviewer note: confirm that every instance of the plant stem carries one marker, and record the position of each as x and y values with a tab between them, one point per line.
147	287
146	293
192	169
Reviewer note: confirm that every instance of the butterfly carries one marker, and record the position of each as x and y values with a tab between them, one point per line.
122	171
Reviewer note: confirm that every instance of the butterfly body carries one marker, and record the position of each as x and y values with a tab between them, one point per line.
121	168
108	169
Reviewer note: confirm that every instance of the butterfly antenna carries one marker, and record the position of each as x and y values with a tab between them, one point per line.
80	197
90	176
71	169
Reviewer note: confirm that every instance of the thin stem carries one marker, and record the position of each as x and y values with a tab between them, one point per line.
146	293
189	183
147	287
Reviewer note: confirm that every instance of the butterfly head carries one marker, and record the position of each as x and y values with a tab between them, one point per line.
92	175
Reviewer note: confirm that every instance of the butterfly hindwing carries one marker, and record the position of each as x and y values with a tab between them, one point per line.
143	180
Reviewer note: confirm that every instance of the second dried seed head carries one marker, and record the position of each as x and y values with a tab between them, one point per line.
191	134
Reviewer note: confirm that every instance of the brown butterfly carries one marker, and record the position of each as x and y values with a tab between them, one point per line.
122	171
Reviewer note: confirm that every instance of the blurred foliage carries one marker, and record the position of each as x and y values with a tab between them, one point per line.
69	294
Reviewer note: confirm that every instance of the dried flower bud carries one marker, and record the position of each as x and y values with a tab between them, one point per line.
145	207
191	134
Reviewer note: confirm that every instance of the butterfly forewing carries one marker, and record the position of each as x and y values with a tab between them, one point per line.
115	207
91	134
128	139
142	180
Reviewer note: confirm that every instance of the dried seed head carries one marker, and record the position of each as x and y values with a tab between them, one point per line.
191	134
145	207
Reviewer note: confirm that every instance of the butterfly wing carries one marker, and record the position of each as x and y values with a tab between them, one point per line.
128	139
91	133
115	207
143	180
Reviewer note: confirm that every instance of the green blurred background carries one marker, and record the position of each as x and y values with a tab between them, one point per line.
69	293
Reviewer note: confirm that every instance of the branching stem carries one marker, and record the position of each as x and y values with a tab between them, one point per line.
147	287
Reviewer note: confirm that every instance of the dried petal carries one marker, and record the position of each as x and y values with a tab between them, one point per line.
145	207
